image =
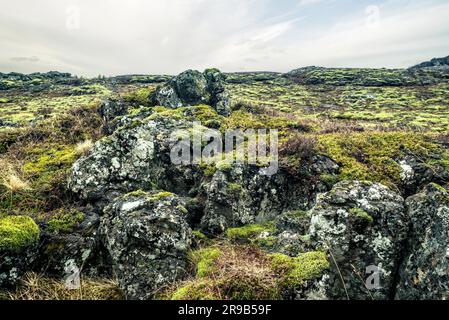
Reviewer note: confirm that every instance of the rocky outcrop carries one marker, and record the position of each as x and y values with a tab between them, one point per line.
136	156
239	194
111	109
79	248
425	270
147	237
442	63
362	225
416	174
194	88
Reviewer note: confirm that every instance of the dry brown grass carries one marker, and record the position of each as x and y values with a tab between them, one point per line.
82	148
11	179
302	147
240	273
36	287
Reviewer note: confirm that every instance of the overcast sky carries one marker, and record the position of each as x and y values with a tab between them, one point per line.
110	37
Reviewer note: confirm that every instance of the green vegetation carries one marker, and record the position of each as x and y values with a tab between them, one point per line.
197	290
17	232
161	196
420	107
249	232
361	214
234	272
373	156
295	271
25	109
204	259
139	97
64	221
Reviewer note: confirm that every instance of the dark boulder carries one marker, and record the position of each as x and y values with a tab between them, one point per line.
194	88
424	274
147	237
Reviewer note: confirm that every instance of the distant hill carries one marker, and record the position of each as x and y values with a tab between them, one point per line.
434	63
430	72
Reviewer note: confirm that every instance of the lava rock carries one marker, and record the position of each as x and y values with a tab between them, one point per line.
147	237
424	274
362	225
194	88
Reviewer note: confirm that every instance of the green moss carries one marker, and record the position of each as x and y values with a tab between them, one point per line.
204	114
209	170
361	214
26	109
51	159
265	242
371	155
204	260
137	193
228	288
182	209
163	112
249	232
330	179
234	187
438	187
139	97
65	221
295	271
161	195
17	232
201	237
223	165
196	290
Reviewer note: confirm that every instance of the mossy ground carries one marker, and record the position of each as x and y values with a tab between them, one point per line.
420	107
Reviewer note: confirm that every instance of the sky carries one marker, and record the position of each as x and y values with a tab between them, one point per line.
113	37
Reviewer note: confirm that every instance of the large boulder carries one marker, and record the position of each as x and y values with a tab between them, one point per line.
363	226
424	274
136	156
194	88
71	239
240	194
147	237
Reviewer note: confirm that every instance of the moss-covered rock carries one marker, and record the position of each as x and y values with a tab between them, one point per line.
18	232
64	221
19	236
249	232
294	272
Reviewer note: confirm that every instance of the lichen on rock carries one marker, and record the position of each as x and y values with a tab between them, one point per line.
148	239
424	271
361	225
19	236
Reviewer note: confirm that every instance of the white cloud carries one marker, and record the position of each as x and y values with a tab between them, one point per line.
307	2
168	36
397	40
